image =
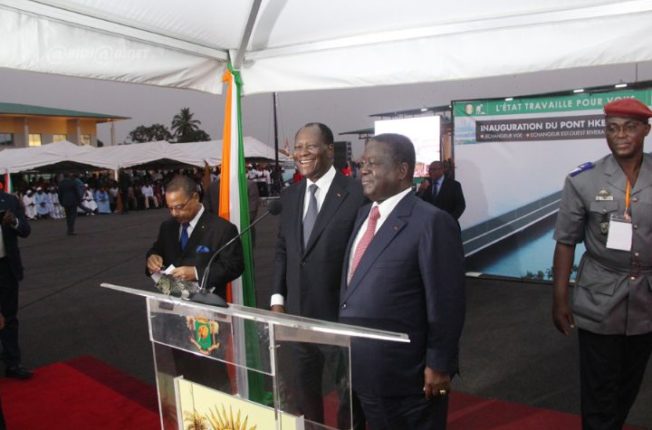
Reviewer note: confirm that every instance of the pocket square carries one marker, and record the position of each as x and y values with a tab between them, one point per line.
201	249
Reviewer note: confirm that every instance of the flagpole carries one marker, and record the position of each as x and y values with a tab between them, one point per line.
275	99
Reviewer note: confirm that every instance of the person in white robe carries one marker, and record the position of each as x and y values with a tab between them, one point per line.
56	210
41	203
102	200
89	206
28	202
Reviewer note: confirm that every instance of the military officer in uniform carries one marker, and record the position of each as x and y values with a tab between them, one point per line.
608	205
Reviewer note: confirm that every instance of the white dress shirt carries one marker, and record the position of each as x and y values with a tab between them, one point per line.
323	185
384	209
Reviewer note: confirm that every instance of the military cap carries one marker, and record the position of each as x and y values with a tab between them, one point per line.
629	108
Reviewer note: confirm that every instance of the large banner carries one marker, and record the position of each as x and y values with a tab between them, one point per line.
511	157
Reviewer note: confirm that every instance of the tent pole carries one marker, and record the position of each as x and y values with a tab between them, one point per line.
275	99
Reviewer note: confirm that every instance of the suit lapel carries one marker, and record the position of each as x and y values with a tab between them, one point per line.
297	224
363	214
336	195
389	230
197	233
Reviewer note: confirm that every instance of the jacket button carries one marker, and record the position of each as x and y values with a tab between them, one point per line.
344	306
632	278
635	199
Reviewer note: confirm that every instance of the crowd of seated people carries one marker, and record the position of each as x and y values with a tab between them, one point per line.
100	193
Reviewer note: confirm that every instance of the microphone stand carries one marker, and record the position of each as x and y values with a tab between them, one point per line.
206	297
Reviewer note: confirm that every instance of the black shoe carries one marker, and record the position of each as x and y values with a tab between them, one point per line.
18	372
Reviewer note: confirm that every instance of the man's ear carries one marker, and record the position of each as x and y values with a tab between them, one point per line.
403	169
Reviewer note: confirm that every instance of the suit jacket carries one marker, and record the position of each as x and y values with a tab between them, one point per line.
450	197
409	280
210	234
309	279
10	235
69	193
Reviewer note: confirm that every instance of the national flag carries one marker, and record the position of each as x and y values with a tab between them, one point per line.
234	206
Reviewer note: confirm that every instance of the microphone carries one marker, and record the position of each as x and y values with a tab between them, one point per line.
208	298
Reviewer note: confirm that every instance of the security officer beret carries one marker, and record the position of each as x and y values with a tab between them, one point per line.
628	107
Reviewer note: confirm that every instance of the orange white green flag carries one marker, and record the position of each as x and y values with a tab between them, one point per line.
234	206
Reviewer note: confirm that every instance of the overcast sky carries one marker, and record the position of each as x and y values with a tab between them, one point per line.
342	110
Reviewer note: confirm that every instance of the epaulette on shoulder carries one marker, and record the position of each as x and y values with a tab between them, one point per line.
581	168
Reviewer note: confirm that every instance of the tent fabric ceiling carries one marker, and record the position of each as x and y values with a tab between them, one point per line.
298	45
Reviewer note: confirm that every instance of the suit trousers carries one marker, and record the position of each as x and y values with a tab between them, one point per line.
9	307
611	373
71	216
413	412
309	371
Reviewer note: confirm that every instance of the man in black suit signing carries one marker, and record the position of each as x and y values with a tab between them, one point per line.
317	219
190	237
403	273
13	225
443	192
188	240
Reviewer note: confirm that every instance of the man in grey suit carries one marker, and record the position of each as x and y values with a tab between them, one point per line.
606	205
404	273
317	218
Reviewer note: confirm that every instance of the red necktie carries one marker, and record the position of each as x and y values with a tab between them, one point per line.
365	240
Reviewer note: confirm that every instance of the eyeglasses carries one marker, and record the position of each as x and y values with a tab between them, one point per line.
179	208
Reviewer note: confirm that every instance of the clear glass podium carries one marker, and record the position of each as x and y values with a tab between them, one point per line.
243	368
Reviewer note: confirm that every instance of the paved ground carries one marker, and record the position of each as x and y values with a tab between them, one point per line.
510	350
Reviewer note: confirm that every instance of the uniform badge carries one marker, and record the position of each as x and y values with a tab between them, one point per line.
604	227
204	334
604	224
604	195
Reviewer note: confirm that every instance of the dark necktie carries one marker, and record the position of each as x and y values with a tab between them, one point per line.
365	240
311	215
183	240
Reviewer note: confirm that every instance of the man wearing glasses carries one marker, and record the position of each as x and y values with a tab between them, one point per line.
190	237
607	204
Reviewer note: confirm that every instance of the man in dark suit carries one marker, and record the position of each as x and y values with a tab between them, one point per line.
403	273
318	215
443	192
70	196
188	240
13	225
190	237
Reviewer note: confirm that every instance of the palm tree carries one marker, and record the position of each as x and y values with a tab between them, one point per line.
183	126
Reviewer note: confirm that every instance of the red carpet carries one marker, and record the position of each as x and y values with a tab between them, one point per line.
472	412
83	393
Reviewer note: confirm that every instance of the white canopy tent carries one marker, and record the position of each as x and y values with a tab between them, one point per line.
125	156
24	159
284	45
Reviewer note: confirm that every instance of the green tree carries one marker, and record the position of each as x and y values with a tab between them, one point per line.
150	134
184	126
